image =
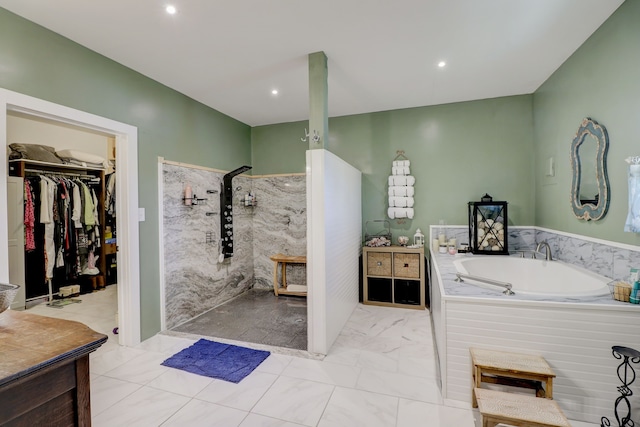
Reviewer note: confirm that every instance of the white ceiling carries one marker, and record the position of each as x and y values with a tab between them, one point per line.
382	54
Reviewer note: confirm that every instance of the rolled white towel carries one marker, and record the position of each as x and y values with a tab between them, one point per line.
400	213
399	180
400	170
401	202
401	163
410	180
392	180
401	191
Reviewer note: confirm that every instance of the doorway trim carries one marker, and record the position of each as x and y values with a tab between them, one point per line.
126	137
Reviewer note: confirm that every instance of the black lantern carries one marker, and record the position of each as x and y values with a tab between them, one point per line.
488	227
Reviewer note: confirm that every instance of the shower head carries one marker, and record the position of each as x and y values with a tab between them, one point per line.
237	171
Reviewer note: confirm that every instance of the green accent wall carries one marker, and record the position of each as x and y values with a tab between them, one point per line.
600	80
457	151
43	64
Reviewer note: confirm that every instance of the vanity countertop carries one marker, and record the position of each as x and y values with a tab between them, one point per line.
30	343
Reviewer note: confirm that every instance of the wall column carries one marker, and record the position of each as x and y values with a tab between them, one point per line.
318	100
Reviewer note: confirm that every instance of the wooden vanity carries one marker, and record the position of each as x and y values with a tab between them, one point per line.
44	370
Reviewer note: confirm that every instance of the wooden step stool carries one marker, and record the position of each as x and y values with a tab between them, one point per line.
514	369
518	410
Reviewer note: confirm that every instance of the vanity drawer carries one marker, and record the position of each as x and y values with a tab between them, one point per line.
406	265
379	264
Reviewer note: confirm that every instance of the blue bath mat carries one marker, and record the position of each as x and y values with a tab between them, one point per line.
216	360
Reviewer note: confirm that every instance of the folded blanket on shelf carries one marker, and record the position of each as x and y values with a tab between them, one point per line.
82	158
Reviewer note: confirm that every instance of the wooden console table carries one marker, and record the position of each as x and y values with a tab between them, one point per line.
284	260
44	370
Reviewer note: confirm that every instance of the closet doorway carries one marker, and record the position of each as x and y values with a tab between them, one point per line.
29	120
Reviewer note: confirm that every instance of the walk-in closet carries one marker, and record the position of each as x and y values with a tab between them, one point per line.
62	222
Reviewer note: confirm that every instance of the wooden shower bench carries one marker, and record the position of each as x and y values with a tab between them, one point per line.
284	260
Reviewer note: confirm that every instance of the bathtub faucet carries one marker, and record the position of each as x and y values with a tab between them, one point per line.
545	245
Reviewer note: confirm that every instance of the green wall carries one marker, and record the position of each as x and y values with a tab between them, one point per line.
600	80
457	151
40	63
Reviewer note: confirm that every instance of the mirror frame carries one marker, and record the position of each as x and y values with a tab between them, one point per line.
589	211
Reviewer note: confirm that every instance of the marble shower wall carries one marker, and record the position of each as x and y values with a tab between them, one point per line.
194	280
279	226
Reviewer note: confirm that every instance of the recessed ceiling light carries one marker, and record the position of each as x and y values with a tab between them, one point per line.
274	92
171	10
441	64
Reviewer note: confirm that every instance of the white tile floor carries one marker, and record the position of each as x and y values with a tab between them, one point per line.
380	372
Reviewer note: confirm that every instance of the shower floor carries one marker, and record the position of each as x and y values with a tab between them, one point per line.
256	316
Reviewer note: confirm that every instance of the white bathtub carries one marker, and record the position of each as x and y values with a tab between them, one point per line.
534	276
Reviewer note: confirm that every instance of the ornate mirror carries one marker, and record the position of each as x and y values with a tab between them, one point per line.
590	184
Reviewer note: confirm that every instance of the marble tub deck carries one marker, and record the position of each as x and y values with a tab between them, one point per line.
256	316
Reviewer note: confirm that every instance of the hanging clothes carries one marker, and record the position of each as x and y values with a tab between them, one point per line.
29	218
61	229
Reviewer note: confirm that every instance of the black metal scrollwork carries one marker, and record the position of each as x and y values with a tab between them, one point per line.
627	376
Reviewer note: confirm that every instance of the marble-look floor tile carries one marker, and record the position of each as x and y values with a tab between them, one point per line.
143	408
412	413
180	382
255	420
241	396
343	355
166	344
274	364
295	400
378	361
356	408
321	371
106	391
399	385
417	366
101	363
198	413
141	369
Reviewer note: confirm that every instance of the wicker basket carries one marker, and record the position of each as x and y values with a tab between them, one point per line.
7	294
620	290
383	228
406	265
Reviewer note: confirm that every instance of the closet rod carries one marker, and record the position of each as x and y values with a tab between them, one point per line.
75	175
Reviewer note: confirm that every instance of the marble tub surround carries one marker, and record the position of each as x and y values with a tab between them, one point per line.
279	226
609	259
194	280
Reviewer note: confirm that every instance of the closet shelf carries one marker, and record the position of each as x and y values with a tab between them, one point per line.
17	166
